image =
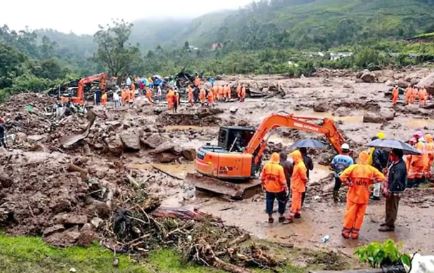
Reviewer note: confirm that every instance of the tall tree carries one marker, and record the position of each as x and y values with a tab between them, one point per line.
114	52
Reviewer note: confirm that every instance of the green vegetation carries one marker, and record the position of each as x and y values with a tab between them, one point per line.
30	254
378	254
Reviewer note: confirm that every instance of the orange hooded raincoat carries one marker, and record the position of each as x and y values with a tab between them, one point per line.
273	176
298	181
358	177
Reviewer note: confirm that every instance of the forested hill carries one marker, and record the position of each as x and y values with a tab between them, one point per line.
302	24
313	23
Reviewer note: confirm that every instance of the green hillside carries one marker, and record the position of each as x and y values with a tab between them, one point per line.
316	24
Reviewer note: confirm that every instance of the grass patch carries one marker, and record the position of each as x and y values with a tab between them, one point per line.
24	254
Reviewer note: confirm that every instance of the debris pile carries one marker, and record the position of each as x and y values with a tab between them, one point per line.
202	117
201	238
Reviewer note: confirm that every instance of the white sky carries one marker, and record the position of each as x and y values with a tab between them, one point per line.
83	16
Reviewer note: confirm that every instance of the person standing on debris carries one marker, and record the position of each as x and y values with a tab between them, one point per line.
197	82
408	93
239	91
298	185
395	185
339	164
308	162
379	159
288	167
149	95
176	101
274	184
202	96
243	93
97	96
215	92
416	166
395	95
210	97
104	99
414	94
220	93
2	133
358	177
423	96
190	96
170	97
116	99
228	93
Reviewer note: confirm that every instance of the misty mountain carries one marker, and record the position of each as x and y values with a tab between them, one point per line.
304	24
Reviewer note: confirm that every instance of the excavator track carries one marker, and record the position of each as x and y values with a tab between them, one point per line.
234	190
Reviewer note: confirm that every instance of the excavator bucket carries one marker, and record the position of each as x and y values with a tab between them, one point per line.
234	190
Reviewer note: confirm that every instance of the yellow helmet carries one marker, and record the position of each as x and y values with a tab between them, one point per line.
381	135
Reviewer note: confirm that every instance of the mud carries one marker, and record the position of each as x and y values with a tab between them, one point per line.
68	194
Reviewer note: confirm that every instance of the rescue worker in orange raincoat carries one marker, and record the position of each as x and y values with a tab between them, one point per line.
215	92
239	91
149	94
407	95
243	93
274	183
104	99
228	93
221	93
423	96
190	96
395	95
210	98
125	95
202	95
170	97
298	184
358	177
417	166
197	82
429	148
414	95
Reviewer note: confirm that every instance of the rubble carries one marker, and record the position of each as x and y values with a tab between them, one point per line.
428	83
367	76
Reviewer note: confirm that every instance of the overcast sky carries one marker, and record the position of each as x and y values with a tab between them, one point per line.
83	16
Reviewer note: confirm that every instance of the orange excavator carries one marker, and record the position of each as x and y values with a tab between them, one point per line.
231	168
79	98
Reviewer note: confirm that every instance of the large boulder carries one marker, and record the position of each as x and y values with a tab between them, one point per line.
427	83
378	117
131	140
115	145
403	84
154	140
321	107
368	76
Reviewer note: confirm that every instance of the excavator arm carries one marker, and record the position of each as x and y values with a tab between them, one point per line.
102	78
324	126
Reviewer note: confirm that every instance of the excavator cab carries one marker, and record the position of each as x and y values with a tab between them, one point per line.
235	138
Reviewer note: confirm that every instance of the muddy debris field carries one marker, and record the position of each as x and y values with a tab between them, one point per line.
118	175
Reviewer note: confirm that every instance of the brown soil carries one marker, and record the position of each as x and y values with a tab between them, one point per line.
69	193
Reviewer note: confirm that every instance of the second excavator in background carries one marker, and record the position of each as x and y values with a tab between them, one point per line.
79	96
231	167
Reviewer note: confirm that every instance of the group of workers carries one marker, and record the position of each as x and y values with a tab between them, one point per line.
214	94
389	173
412	94
196	93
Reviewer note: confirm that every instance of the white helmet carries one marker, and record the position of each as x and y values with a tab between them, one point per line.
345	146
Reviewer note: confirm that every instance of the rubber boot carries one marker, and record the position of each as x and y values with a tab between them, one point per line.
346	233
355	234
